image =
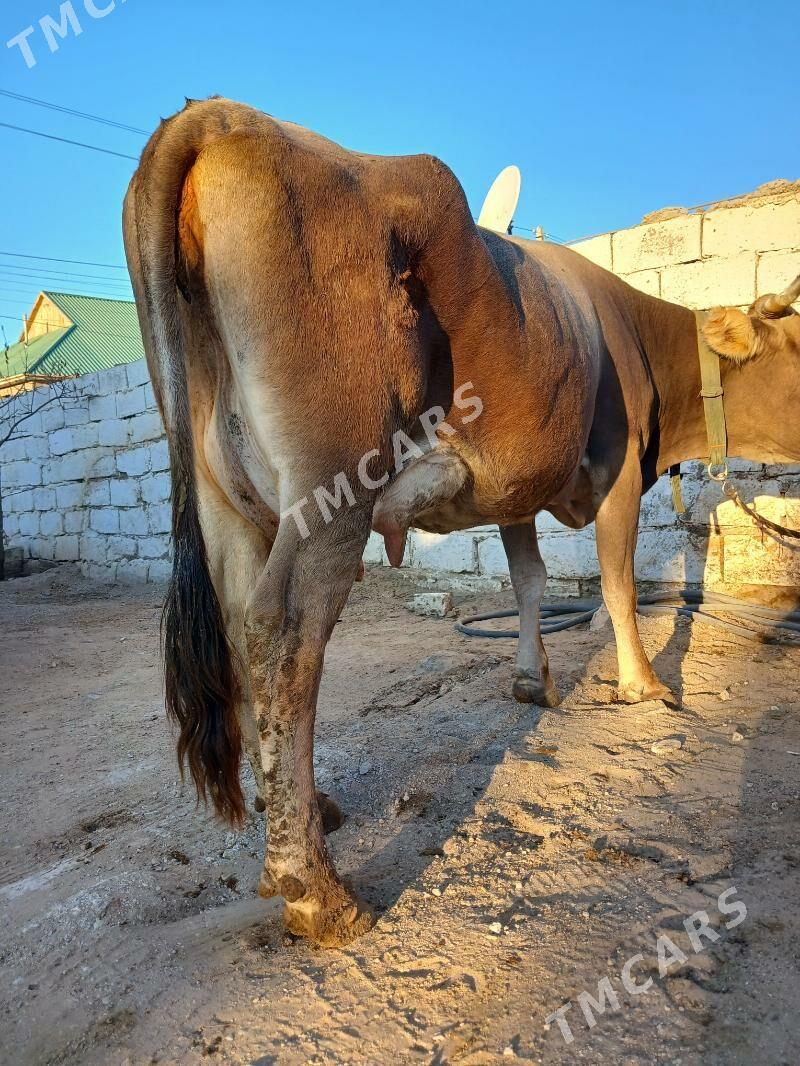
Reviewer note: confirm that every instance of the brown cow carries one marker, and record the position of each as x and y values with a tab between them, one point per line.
304	309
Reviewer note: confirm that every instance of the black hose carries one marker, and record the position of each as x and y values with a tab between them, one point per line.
696	603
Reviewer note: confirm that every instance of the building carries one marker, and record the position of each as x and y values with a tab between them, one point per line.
67	336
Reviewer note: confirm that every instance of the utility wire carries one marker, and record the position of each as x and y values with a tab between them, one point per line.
65	140
51	285
22	270
52	259
70	111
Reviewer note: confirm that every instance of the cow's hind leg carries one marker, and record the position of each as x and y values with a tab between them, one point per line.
533	683
617	527
237	553
290	617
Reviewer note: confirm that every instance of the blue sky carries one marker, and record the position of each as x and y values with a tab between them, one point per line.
610	110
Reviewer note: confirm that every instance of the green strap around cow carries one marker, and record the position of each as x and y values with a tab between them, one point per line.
712	393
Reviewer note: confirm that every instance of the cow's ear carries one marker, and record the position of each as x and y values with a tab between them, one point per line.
731	333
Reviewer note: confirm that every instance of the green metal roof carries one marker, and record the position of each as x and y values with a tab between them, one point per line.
104	333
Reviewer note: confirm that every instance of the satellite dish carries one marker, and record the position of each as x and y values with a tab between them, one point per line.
501	201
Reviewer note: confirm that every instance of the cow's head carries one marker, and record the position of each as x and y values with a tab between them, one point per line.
770	327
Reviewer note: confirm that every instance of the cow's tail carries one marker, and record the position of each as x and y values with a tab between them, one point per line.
202	690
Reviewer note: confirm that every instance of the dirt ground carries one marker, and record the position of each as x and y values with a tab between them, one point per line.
515	857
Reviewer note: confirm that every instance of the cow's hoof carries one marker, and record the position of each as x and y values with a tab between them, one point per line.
330	812
532	690
638	693
332	926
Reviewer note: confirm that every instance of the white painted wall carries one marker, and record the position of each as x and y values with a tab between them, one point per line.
86	480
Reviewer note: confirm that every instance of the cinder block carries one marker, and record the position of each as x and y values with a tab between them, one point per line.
133	520
106	573
137	373
648	281
93	548
44	499
10	526
15	449
77	413
131	402
762	227
657	244
159	571
102	407
62	441
98	494
114	432
133	571
36	448
29	524
42	548
85	436
22	475
570	555
75	466
88	385
156	489
711	282
453	551
123	492
160	518
753	560
596	249
492	559
104	520
75	521
776	270
120	547
113	380
67	549
134	462
52	417
152	547
17	502
147	426
104	466
159	455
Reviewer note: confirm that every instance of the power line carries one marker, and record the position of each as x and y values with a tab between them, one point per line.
76	289
59	273
79	288
70	111
53	259
65	140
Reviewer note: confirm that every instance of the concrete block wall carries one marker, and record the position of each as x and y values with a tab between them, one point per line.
728	253
86	479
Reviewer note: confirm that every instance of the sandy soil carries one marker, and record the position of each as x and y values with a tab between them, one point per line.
515	857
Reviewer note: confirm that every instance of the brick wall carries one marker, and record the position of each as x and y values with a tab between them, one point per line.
88	481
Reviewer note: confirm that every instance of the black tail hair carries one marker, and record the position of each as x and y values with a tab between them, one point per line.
202	687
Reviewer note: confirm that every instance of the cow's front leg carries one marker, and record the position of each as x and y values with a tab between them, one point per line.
533	683
290	618
617	528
